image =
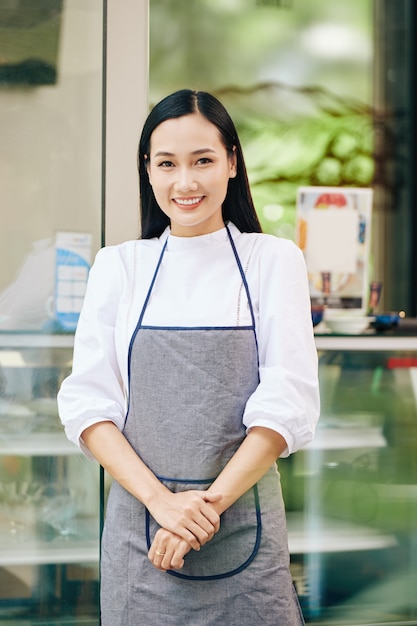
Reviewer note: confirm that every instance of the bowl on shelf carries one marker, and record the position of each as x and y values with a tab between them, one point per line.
345	324
317	315
386	321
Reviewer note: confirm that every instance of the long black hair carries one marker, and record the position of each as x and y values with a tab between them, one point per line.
238	205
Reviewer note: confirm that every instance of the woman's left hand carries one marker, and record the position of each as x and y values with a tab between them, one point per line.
168	550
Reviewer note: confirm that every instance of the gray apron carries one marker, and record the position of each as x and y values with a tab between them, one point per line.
188	388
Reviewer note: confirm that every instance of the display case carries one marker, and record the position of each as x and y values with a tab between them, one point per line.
351	495
49	492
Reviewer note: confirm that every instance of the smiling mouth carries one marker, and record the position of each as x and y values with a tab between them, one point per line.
188	203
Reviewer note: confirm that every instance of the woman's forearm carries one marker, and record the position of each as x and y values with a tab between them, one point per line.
112	450
187	514
258	451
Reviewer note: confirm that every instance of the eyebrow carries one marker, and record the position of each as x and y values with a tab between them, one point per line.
195	152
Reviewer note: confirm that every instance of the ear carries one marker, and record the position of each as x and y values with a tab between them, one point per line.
233	164
146	160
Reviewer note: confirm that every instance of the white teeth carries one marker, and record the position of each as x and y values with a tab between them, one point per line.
188	201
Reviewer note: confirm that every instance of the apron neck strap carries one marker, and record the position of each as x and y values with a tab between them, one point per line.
148	295
242	273
239	264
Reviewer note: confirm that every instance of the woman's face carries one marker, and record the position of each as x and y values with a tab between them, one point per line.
189	170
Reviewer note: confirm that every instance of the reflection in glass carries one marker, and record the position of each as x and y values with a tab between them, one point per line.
50	181
296	78
352	496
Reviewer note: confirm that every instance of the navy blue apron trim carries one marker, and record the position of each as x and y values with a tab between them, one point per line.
188	481
232	572
196	327
145	304
245	284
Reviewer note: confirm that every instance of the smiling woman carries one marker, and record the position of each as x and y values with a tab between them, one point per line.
221	379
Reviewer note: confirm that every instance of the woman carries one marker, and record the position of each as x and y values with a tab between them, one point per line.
194	370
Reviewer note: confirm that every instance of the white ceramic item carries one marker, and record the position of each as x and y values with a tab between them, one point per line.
348	324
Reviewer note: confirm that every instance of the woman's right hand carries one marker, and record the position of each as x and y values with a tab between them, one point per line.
187	514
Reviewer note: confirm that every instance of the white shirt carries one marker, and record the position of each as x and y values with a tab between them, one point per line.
198	284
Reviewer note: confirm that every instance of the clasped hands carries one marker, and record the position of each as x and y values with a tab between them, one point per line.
188	521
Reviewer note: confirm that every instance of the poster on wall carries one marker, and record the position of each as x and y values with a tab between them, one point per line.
333	230
72	265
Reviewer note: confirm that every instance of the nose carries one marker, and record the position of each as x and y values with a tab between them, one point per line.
185	180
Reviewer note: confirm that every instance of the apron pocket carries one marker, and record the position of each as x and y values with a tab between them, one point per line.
231	550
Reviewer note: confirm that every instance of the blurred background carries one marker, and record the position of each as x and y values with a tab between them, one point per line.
323	94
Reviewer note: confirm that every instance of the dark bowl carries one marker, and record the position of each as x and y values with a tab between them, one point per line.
386	321
316	316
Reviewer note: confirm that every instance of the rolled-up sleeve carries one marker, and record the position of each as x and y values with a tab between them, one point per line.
94	390
287	398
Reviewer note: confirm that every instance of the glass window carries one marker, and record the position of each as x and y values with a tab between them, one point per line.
322	95
50	181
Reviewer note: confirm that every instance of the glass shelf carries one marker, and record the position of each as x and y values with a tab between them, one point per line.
367	342
25	546
35	340
38	444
